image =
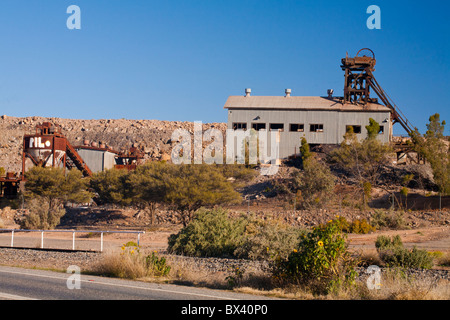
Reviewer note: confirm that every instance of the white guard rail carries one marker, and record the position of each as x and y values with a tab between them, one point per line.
73	235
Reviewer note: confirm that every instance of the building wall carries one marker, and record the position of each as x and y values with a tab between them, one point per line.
97	160
334	125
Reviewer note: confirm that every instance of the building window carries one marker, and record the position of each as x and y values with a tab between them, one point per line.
316	128
259	126
239	126
277	126
295	127
381	130
356	129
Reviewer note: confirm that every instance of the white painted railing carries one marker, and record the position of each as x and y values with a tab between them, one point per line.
73	235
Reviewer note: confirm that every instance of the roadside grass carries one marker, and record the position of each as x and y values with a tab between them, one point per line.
395	284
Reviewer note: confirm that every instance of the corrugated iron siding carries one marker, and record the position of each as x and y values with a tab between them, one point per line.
334	125
97	160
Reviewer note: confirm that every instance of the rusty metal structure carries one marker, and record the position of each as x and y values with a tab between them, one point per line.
129	159
9	185
359	80
48	147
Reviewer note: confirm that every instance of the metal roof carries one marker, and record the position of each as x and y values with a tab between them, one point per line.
298	103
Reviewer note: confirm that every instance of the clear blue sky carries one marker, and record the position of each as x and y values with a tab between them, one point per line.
180	60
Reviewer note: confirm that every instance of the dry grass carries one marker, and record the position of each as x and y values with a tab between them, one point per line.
444	260
182	272
398	286
395	285
126	266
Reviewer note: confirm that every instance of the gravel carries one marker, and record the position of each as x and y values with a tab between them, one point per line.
46	259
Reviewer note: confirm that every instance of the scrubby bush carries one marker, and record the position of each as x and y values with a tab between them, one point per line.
211	233
156	265
315	182
360	226
46	192
264	240
393	254
215	233
388	220
385	242
405	258
321	262
41	216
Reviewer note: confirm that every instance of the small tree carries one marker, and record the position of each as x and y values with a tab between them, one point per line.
109	185
315	182
190	187
47	189
433	148
404	191
304	149
363	160
147	187
372	129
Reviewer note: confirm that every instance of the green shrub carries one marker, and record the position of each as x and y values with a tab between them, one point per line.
211	233
360	226
384	242
405	258
393	254
41	215
265	240
131	244
388	220
322	261
157	266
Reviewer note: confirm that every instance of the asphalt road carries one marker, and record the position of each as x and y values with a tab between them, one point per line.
30	284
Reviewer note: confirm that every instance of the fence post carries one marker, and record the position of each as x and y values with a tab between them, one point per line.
73	240
12	239
139	236
101	242
42	239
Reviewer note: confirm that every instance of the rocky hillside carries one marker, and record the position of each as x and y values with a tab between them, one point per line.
153	136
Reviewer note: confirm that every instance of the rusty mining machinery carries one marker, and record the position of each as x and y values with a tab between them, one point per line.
48	147
359	79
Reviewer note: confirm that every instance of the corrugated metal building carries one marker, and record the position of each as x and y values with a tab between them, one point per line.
321	120
97	159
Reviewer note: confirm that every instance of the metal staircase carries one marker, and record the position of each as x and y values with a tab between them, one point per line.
73	159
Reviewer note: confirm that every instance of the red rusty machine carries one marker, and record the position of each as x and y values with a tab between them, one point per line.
9	185
48	147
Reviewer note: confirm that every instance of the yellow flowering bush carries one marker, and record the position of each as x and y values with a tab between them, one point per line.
156	265
322	260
